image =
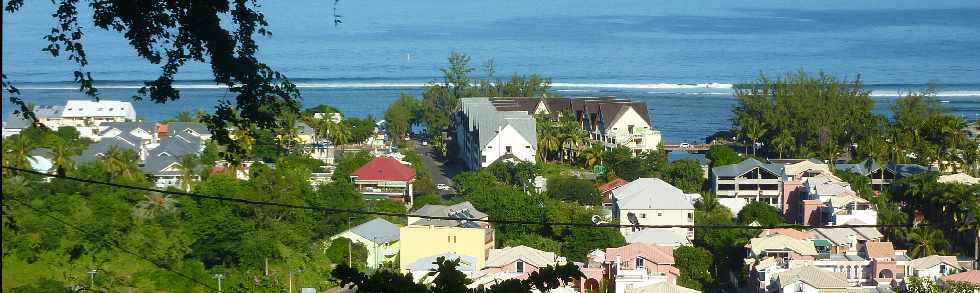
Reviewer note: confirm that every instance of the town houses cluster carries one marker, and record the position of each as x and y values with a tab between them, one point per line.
489	130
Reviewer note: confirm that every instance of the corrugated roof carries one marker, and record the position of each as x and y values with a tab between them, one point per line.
662	287
813	276
658	236
839	236
537	258
785	231
924	263
781	242
745	166
377	230
467	263
651	193
485	119
127	127
102	108
464	211
384	168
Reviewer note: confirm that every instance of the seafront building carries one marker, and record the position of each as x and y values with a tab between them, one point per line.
486	134
85	116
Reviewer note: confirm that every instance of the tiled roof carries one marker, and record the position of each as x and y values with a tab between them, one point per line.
537	258
384	168
839	236
616	183
813	276
970	277
879	249
662	287
377	230
652	253
651	194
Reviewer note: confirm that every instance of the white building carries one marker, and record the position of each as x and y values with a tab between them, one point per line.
751	180
651	201
486	134
85	116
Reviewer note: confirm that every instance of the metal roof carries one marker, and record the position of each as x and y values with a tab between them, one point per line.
377	230
651	194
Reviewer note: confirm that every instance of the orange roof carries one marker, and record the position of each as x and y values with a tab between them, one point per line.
880	249
612	185
384	169
970	277
786	231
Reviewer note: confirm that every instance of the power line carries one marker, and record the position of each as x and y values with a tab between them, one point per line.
107	241
493	221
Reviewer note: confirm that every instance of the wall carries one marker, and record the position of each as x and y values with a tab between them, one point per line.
376	253
423	241
642	129
508	136
667	217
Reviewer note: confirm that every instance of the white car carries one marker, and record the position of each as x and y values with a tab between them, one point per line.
441	186
685	145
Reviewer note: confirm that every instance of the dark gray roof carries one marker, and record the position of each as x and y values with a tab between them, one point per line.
48	111
176	146
485	118
16	121
745	166
377	230
179	127
100	148
155	165
463	211
128	127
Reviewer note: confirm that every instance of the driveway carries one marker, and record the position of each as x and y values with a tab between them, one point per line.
441	172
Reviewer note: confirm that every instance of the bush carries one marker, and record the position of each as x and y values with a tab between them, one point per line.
572	189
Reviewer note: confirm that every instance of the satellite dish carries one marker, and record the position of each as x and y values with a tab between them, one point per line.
597	220
632	218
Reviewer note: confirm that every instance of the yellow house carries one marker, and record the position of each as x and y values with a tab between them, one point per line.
423	238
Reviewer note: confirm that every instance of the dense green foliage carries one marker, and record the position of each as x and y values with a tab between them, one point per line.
721	155
623	164
686	175
338	253
760	212
348	162
695	264
399	117
574	190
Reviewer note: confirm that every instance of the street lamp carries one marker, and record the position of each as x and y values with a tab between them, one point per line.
291	272
219	277
349	257
92	278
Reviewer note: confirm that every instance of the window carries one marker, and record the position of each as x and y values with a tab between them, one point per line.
799	287
520	266
639	262
630	128
483	159
942	269
660	214
643	215
527	146
509	149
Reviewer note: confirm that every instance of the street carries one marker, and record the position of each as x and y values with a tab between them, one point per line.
441	173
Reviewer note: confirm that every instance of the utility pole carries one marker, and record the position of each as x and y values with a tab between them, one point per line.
349	244
219	277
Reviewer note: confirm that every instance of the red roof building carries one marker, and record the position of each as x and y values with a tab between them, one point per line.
385	177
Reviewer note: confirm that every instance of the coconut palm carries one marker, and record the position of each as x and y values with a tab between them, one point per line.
17	152
592	155
61	157
155	205
188	165
121	163
783	142
926	241
339	133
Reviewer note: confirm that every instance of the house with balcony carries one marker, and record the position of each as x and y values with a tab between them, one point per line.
651	201
882	175
385	177
516	262
611	121
934	267
380	237
639	265
750	180
464	235
486	133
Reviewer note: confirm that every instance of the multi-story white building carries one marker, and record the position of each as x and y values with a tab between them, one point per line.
85	116
486	134
751	180
651	201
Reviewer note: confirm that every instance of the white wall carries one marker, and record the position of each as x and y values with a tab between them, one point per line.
657	217
619	129
497	147
791	288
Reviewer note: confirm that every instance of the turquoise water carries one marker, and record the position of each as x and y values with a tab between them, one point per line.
645	50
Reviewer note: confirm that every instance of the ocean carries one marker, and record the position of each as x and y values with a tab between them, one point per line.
679	57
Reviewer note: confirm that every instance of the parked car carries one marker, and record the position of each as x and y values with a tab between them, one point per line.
441	186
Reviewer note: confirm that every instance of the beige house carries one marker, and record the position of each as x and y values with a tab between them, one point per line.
651	201
464	236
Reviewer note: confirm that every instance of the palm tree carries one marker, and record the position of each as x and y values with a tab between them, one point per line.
339	133
753	129
155	205
926	241
17	152
783	142
592	155
61	157
187	164
121	163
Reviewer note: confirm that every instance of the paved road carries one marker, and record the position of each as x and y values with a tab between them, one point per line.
441	173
